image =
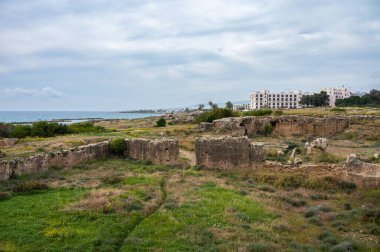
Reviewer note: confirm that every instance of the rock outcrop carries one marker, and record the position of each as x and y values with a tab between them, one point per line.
228	153
365	175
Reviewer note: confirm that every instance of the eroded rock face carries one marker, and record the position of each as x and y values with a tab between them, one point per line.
365	175
163	151
228	153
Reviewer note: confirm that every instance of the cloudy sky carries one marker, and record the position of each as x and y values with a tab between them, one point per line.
129	54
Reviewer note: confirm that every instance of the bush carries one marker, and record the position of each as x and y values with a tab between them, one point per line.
267	188
5	196
30	187
161	122
344	247
260	112
294	202
117	146
310	212
315	220
259	247
215	114
266	130
111	180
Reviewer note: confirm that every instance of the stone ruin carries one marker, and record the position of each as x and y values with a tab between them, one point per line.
364	175
282	125
228	153
155	151
163	151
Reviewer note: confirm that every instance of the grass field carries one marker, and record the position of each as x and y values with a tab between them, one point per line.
124	205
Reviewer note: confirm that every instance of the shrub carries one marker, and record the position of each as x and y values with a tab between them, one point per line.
117	146
267	188
260	112
347	206
310	212
5	196
259	247
294	202
215	114
161	122
111	180
266	130
315	220
344	247
30	187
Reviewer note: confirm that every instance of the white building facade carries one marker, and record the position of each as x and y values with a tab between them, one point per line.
267	99
337	93
242	107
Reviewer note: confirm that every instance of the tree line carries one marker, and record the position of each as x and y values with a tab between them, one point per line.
371	99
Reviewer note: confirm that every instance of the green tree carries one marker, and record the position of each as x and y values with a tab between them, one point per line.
229	105
117	146
267	129
201	106
161	122
316	100
213	105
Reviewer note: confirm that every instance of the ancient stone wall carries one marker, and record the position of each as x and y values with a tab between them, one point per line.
228	153
282	125
42	162
156	151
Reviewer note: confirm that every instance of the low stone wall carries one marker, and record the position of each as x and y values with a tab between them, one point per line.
162	151
155	151
228	153
42	162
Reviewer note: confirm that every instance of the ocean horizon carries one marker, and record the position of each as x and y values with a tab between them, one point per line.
66	116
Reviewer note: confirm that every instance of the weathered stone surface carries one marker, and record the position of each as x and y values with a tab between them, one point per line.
283	125
228	153
320	143
352	160
297	161
163	151
42	162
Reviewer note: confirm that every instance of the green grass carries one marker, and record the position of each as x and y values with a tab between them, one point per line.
31	222
187	227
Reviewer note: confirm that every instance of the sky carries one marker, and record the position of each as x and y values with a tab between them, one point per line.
111	55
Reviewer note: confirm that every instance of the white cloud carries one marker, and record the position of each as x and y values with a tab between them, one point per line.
46	92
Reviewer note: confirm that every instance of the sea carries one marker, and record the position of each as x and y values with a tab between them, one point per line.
65	116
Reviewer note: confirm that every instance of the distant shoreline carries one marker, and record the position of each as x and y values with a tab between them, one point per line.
28	117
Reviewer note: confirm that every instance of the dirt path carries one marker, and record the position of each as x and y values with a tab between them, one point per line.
189	155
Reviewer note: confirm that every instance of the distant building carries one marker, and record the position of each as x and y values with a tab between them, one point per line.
242	106
337	93
266	99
